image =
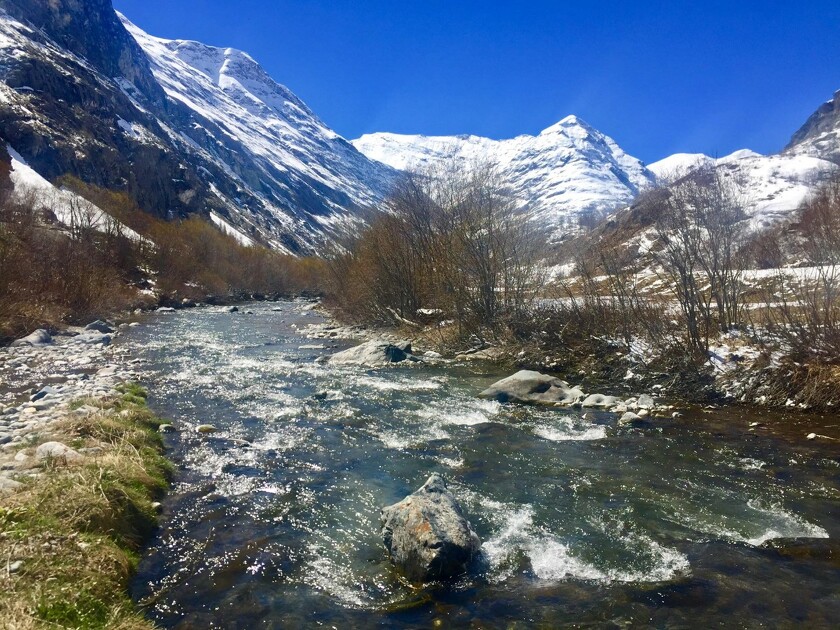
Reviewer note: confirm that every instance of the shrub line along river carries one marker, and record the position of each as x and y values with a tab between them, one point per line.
273	521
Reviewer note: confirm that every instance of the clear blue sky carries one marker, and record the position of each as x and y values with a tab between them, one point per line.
659	77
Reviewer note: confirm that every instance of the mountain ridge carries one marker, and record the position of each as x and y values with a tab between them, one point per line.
567	173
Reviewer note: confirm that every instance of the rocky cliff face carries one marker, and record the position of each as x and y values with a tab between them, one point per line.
183	128
820	135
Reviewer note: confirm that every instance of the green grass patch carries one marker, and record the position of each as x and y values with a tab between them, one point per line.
78	529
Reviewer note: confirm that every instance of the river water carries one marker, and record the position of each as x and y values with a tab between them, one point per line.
273	521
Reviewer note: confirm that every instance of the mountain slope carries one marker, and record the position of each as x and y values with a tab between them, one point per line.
820	135
568	172
180	126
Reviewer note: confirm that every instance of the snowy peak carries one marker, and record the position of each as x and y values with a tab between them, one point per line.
180	126
820	135
566	173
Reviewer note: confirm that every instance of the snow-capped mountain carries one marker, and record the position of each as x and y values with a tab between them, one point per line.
773	186
820	135
567	172
182	127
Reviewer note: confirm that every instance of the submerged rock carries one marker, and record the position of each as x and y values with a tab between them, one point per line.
427	535
533	388
374	353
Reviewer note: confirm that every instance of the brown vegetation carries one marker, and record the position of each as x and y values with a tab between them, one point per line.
451	242
91	263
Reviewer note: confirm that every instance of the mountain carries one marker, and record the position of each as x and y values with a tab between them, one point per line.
182	127
820	135
568	172
774	186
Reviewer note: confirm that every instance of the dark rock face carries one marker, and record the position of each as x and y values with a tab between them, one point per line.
91	30
820	135
427	534
86	100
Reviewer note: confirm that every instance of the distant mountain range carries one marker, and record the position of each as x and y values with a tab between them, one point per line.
187	128
569	171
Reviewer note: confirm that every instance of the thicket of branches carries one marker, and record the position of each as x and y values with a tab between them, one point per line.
803	308
451	244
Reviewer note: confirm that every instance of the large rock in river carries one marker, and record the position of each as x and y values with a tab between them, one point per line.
427	534
374	353
533	388
38	338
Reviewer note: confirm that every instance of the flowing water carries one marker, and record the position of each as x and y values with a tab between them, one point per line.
273	521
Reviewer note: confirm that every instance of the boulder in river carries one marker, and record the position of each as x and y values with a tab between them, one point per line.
38	338
599	400
533	388
427	535
99	326
629	419
373	353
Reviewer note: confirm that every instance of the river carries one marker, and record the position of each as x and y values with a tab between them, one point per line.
273	521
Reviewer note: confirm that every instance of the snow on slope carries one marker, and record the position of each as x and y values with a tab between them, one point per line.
67	206
293	158
679	163
774	186
570	170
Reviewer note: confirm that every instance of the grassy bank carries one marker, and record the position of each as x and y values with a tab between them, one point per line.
70	536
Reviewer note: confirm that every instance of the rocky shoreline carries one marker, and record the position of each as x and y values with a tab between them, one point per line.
45	379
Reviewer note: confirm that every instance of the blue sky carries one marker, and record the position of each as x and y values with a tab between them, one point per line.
659	77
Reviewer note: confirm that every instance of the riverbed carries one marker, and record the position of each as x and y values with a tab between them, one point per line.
273	520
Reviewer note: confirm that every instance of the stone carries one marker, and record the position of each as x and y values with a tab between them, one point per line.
42	393
166	309
91	337
529	387
599	400
167	428
9	486
645	402
233	309
373	353
206	428
483	354
427	535
38	338
629	418
56	451
99	326
15	566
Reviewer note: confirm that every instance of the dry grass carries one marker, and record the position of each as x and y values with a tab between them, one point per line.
78	528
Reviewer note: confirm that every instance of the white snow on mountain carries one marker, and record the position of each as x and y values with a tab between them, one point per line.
68	208
289	153
677	164
569	171
773	186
